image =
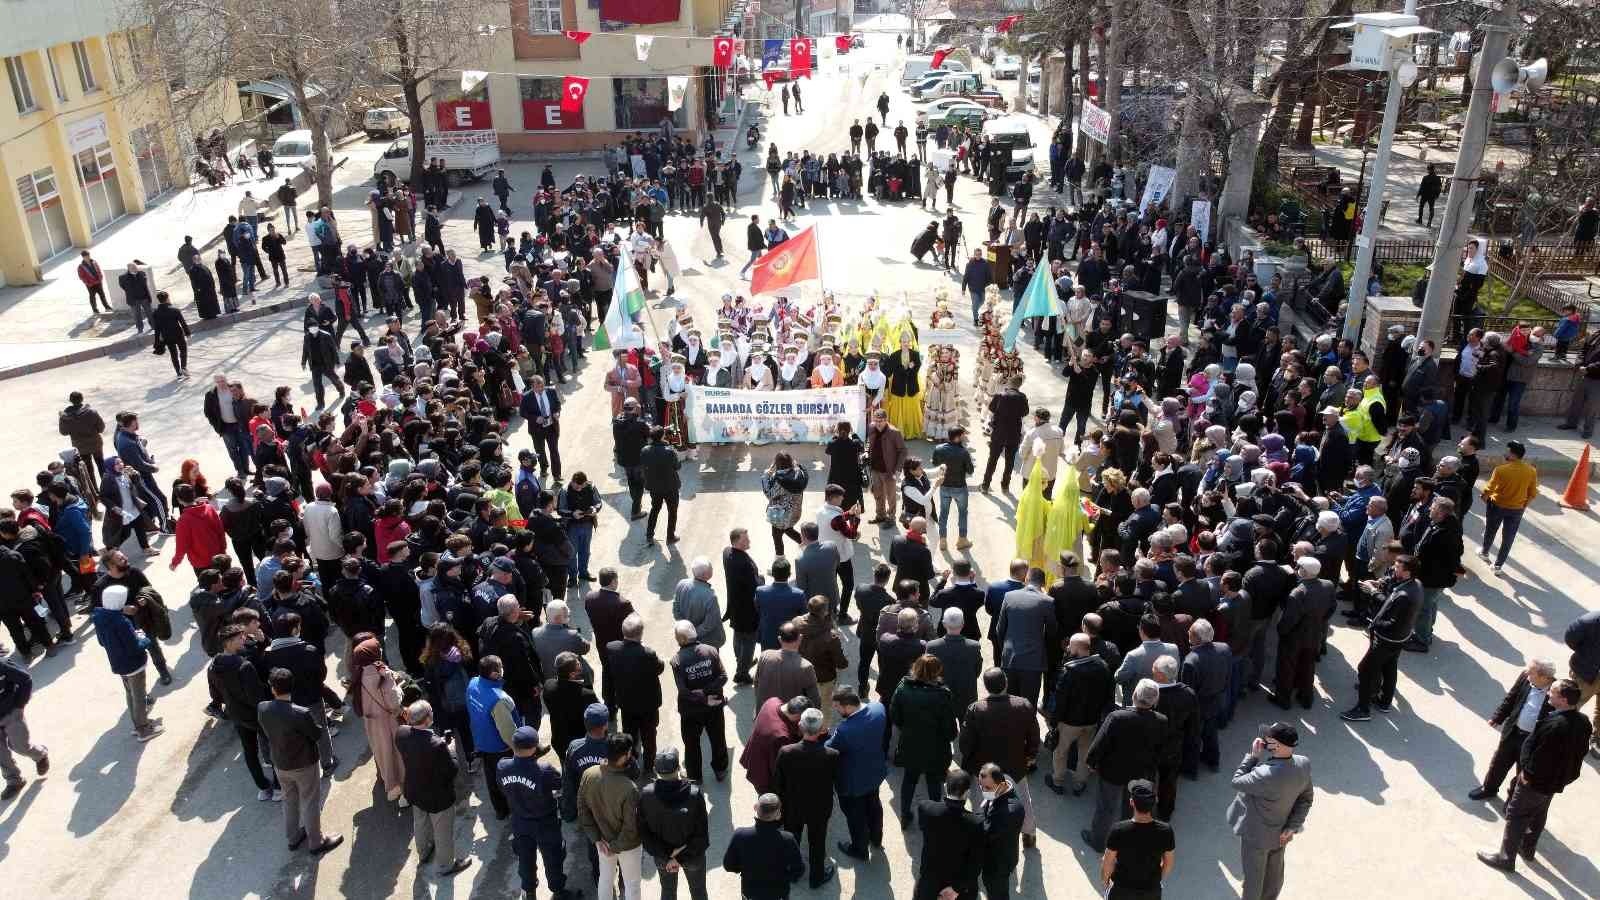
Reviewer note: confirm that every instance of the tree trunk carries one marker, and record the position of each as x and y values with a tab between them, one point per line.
1083	94
316	119
1191	150
1022	83
419	138
1112	60
1278	128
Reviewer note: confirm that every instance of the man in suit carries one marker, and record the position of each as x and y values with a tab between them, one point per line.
777	603
1391	627
607	611
660	470
1003	815
1004	730
1301	630
1270	808
1176	701
1524	707
952	843
637	670
741	578
430	788
1126	748
803	779
783	672
1551	759
1141	659
1007	410
911	557
629	435
994	596
292	737
1082	695
814	569
541	409
1206	670
961	656
958	588
1074	597
1026	626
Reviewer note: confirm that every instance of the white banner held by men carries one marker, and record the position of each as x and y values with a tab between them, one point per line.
1095	122
724	416
1156	187
1200	218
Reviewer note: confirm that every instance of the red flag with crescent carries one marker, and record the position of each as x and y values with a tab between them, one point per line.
578	37
842	43
791	262
939	55
799	56
573	90
769	78
1006	23
722	51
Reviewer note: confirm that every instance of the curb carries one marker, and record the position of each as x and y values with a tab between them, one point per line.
143	341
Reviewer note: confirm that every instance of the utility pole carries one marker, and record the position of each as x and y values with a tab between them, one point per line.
1446	268
1366	243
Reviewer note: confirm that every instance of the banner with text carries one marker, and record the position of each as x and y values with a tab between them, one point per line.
724	416
1095	122
1156	187
1200	218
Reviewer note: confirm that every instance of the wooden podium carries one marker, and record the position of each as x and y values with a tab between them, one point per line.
999	256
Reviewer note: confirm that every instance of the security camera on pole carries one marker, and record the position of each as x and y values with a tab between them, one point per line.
1381	42
1492	75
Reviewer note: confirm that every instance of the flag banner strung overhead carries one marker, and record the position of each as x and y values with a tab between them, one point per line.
677	90
578	37
722	52
800	56
789	263
470	79
641	46
573	90
939	55
724	416
772	52
1007	23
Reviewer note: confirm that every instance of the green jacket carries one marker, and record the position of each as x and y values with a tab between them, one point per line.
925	716
608	807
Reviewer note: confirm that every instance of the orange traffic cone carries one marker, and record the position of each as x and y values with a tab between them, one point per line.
1576	495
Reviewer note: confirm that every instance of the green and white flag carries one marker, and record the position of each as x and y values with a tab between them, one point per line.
621	330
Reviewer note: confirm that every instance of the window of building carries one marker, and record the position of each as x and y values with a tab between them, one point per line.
544	15
641	103
541	106
80	55
42	209
55	76
116	64
21	90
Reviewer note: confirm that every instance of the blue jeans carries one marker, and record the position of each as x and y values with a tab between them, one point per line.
247	273
1514	392
977	303
238	444
947	495
1494	517
547	843
581	536
754	255
1423	630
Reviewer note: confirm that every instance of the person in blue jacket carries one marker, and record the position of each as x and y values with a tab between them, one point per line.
125	649
862	768
72	523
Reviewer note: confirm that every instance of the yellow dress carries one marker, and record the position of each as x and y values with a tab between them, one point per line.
905	411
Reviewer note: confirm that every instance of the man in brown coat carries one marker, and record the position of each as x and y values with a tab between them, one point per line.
820	645
776	727
886	454
784	672
1004	730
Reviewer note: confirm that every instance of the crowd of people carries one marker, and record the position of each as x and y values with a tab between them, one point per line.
1235	489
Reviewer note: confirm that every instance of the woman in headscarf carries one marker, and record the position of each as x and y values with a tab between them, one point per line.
375	697
1220	409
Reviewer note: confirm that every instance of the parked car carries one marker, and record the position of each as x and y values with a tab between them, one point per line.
385	121
1006	67
965	116
942	106
293	149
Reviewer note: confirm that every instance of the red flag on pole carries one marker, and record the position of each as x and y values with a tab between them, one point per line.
769	78
799	56
842	43
939	55
791	262
578	37
1006	23
722	51
573	90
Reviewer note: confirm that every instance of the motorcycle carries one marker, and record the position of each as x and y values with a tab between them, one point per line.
752	138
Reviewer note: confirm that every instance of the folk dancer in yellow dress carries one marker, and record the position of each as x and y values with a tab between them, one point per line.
904	402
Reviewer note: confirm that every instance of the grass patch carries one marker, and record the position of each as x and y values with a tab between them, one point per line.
1400	278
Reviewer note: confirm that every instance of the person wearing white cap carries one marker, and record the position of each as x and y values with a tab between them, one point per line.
125	649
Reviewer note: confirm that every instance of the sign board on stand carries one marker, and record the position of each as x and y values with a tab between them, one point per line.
724	416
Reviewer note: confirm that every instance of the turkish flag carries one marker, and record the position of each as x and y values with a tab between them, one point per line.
842	43
769	78
573	89
791	262
722	51
939	55
799	56
578	37
1006	23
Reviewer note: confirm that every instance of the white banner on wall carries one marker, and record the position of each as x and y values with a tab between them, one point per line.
724	416
1156	187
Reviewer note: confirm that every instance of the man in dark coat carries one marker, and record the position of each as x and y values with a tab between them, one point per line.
1004	730
952	843
320	354
172	332
1552	758
1003	815
1127	747
1176	701
637	670
803	779
1524	707
741	578
1302	628
430	778
1082	695
660	464
1007	408
766	858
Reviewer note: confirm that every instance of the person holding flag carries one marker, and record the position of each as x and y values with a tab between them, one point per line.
620	328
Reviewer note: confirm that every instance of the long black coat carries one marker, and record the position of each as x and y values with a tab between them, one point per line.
430	768
205	292
803	779
952	849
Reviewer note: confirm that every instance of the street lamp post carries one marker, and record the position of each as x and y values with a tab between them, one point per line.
1394	30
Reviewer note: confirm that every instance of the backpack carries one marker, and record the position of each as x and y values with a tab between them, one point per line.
160	617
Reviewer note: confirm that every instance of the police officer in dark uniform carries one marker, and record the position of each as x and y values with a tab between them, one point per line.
533	789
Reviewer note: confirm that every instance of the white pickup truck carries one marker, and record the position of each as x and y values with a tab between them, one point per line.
468	155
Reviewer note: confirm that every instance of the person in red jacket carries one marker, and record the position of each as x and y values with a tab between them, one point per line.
94	280
200	533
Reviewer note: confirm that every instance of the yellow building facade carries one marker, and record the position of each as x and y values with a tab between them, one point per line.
86	131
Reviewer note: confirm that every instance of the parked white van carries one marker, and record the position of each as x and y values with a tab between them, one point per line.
1013	132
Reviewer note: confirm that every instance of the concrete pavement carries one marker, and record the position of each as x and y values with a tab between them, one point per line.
177	816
